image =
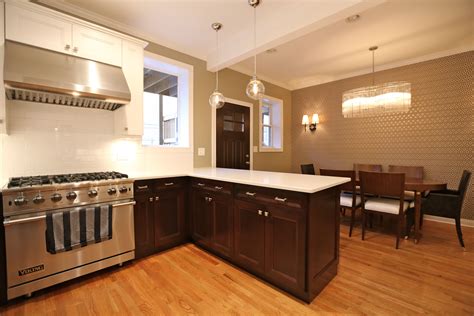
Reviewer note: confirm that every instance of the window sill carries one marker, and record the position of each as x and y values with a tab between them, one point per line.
270	150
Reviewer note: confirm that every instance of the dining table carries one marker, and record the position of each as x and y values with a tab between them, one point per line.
419	186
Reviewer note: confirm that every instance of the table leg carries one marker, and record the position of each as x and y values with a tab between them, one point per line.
417	216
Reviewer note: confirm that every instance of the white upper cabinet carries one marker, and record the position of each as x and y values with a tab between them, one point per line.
96	45
37	29
129	118
56	33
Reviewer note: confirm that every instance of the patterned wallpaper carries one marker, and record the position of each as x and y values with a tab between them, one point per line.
437	132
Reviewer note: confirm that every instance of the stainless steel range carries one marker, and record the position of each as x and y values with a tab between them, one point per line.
30	202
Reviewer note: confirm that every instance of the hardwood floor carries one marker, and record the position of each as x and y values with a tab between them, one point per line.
435	277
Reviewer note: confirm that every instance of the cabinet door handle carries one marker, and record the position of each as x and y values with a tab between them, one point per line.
150	199
280	199
142	187
157	198
201	184
169	184
75	49
266	214
260	212
250	193
208	199
67	47
218	187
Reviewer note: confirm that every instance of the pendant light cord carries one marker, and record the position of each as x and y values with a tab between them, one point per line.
373	67
255	40
217	71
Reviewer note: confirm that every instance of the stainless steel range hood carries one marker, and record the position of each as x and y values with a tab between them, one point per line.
39	75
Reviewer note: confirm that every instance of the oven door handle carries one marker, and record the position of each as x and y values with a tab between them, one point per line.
124	204
8	222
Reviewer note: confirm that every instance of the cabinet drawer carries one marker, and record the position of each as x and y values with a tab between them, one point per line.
143	187
271	196
212	185
169	183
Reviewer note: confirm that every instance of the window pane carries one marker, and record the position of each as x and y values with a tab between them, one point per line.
228	126
267	136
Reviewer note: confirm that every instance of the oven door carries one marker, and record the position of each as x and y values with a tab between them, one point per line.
28	259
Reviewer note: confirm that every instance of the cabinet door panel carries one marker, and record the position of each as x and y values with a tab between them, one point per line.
201	218
285	247
144	226
169	218
96	45
25	26
222	240
249	234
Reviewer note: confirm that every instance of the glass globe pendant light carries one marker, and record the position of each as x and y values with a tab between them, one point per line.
217	100
255	88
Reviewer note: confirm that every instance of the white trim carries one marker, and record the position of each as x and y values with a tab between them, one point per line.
175	68
214	135
464	222
270	149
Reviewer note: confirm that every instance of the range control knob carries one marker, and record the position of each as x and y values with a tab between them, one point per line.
112	191
123	189
56	197
71	196
20	200
38	199
92	193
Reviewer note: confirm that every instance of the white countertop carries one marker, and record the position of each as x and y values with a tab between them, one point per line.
276	180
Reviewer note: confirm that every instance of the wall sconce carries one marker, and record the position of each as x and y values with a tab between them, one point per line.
314	122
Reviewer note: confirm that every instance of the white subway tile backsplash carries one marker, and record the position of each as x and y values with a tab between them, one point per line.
49	139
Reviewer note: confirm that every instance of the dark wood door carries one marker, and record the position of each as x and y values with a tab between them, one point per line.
201	217
222	224
144	225
285	244
169	218
233	137
249	234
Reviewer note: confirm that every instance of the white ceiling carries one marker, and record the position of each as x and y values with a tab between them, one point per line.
406	31
313	42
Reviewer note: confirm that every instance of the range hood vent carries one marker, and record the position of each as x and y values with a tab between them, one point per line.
39	75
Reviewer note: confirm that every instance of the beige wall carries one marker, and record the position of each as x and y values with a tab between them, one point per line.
437	132
232	84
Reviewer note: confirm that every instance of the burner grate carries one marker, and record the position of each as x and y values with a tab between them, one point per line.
19	182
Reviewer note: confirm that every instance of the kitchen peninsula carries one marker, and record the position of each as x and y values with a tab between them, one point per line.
283	228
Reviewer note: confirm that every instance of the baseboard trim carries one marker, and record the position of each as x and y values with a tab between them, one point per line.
464	222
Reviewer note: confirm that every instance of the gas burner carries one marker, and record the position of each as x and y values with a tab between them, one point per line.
20	182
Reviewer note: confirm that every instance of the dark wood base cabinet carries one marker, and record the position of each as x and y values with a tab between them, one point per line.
159	217
289	239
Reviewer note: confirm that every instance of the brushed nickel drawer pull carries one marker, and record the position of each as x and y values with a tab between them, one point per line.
280	199
124	204
142	187
201	184
260	212
266	214
250	193
157	198
218	187
23	220
150	199
169	184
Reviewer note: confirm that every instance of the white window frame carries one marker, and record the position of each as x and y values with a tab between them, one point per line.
185	74
273	124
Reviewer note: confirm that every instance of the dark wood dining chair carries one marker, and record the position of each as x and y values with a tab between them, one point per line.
349	198
366	167
308	169
448	203
375	185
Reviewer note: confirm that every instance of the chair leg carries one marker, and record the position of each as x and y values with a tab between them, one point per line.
371	217
421	218
352	221
344	211
364	218
399	229
458	230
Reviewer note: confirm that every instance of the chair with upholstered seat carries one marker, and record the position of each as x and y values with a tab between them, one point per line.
349	199
366	167
308	169
375	185
412	172
448	203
